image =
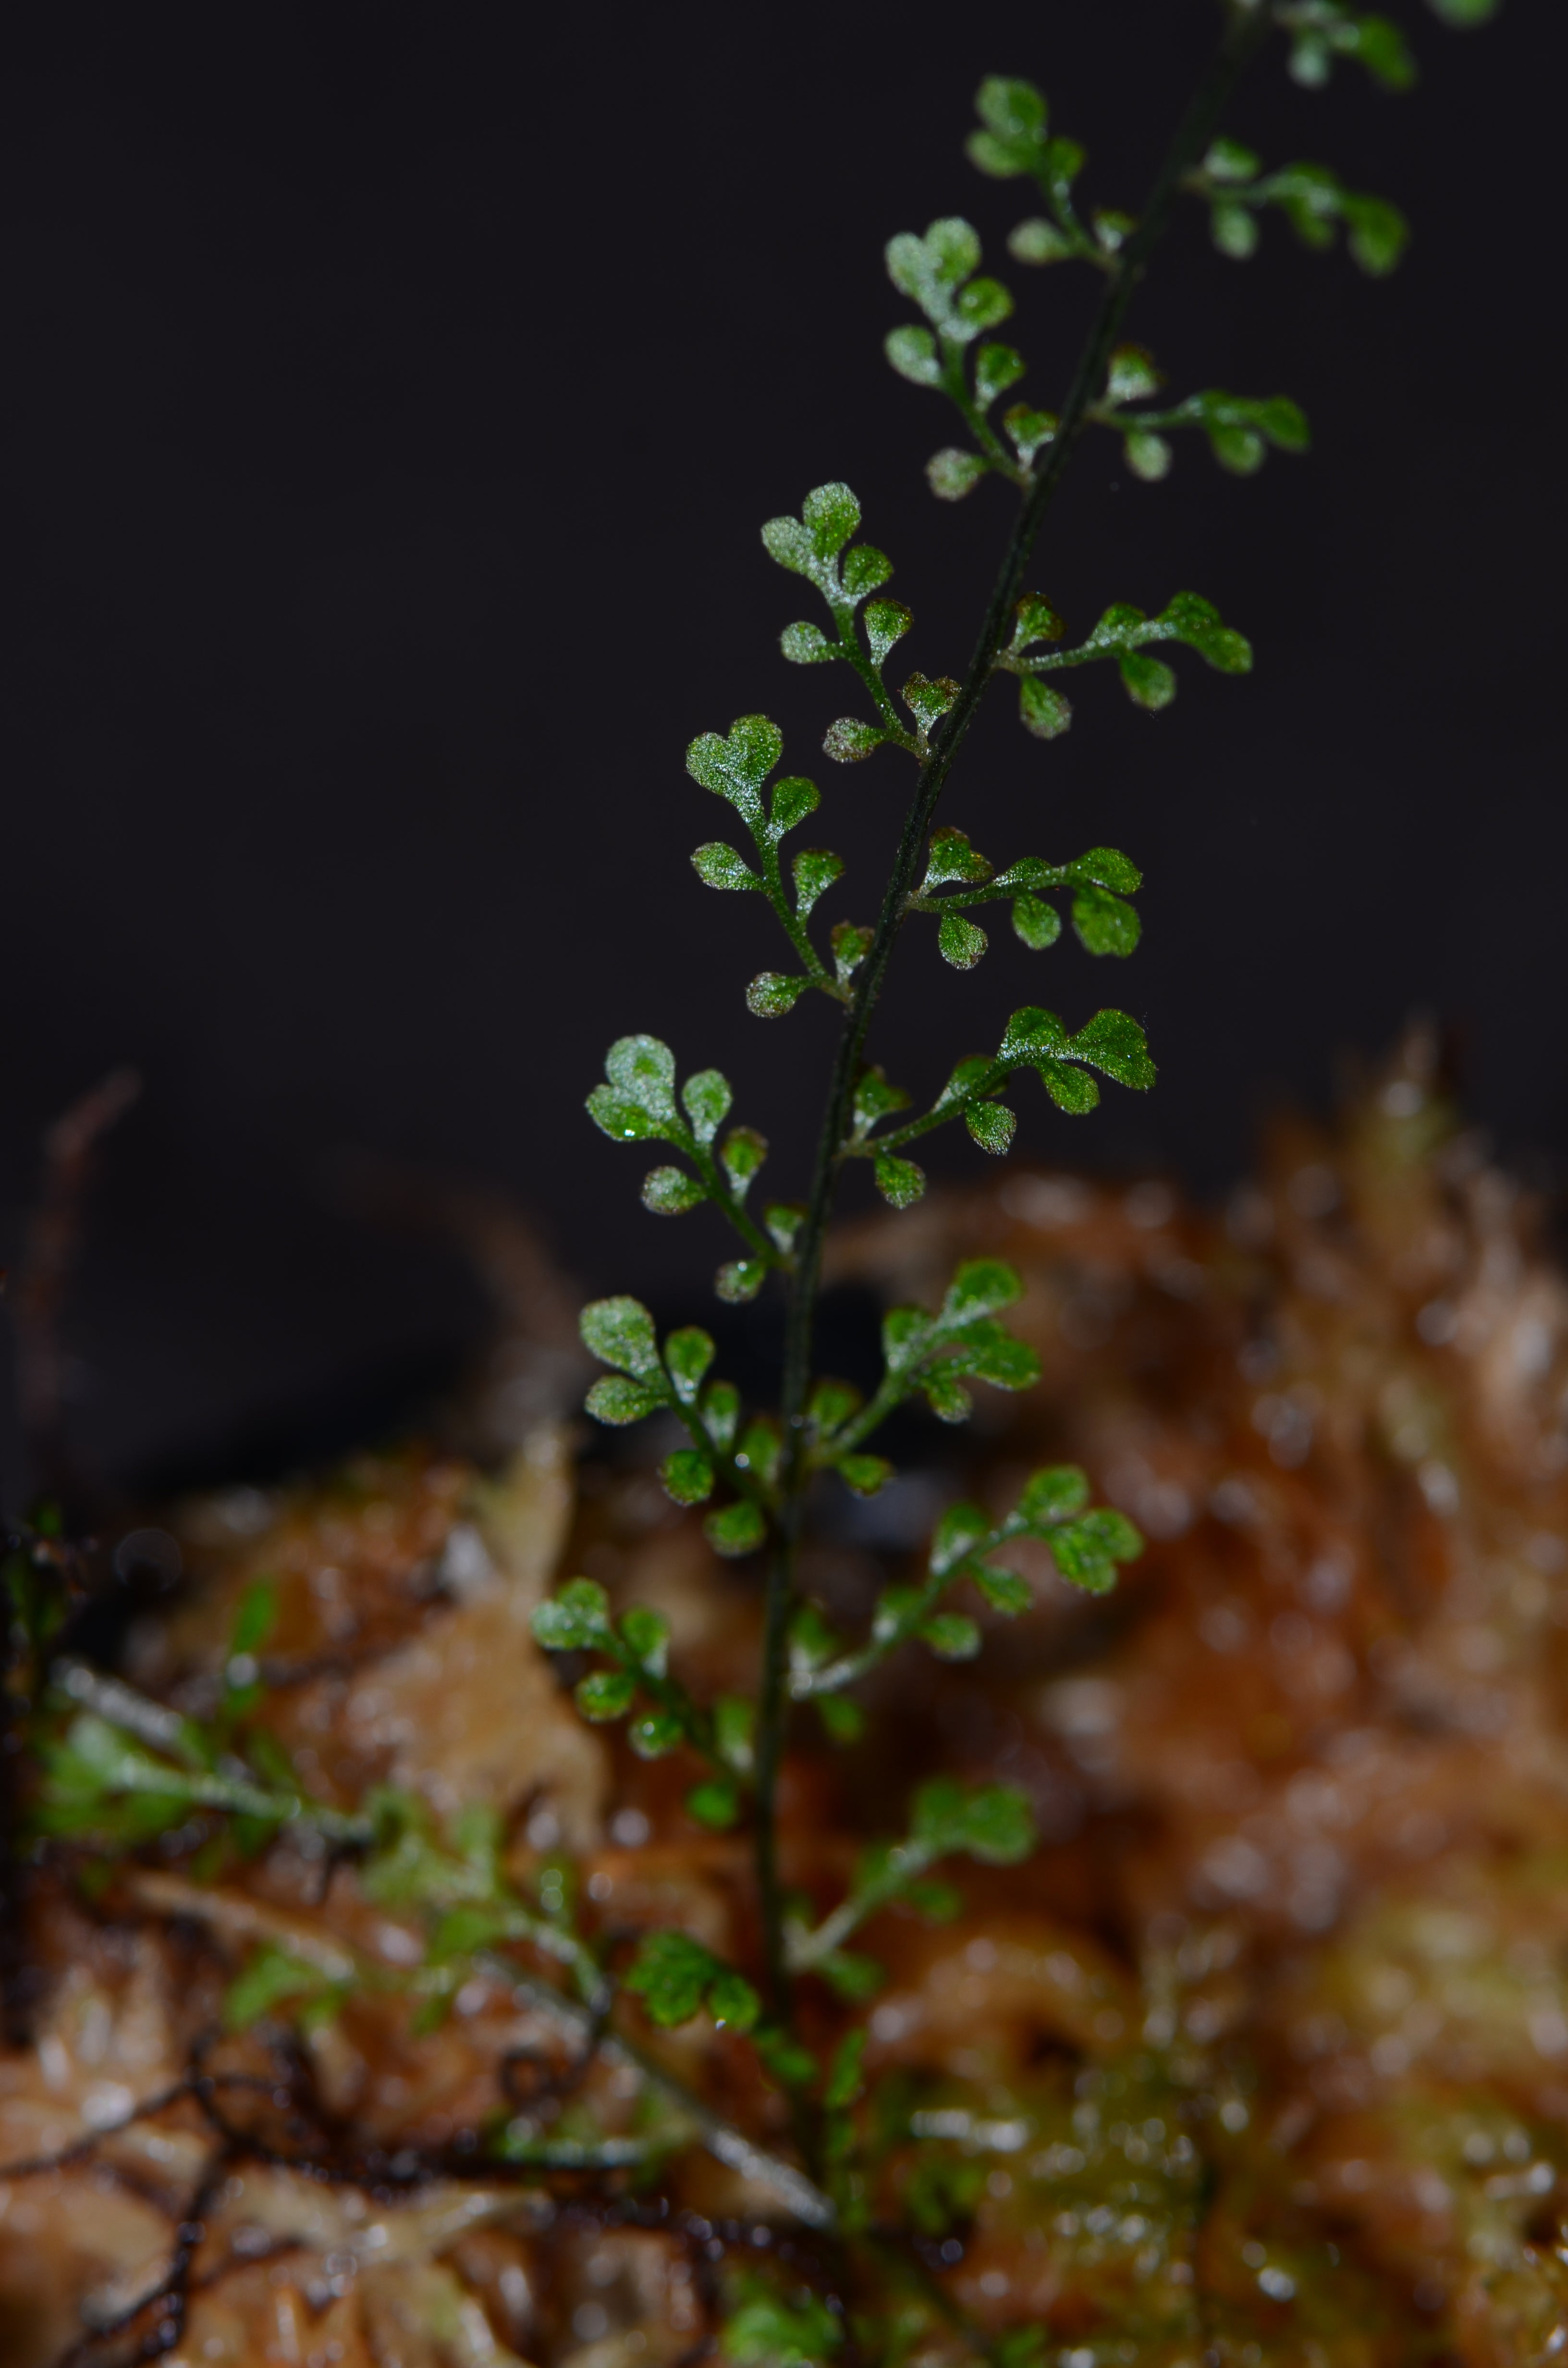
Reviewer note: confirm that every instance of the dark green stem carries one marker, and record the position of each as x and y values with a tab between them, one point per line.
1246	28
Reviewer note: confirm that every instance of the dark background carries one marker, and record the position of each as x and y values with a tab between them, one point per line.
390	405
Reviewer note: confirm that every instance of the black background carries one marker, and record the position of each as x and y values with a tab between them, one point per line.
390	406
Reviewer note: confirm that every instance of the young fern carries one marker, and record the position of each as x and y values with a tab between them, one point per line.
129	1770
762	1468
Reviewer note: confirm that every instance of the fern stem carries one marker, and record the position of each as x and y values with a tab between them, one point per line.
1247	25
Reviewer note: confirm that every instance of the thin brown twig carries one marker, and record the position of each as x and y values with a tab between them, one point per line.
48	1258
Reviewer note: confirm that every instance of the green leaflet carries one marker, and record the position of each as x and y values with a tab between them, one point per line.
774	2330
1240	428
1312	199
675	1977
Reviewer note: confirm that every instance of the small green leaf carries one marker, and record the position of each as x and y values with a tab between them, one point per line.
646	1634
811	1641
814	870
928	697
1147	455
760	1449
575	1618
736	766
950	857
1002	1589
876	1099
732	2000
687	1477
771	994
783	1220
715	1803
615	1400
606	1694
738	1528
996	367
655	1735
707	1097
1117	1045
900	1181
1197	623
741	1155
1069	1089
972	1077
643	1070
620	1332
1034	620
845	2082
886	623
991	1125
864	1473
850	946
806	645
1240	450
831	1403
687	1355
981	1287
792	801
623	1121
1054	1495
924	269
1131	376
830	515
718	866
1036	923
959	1531
980	306
992	1354
1234	232
673	1974
913	353
952	473
897	1610
863	569
1105	924
960	941
999	1827
951	1637
1228	161
1107	867
855	1978
792	2067
1044	711
271	1979
906	1336
848	742
671	1191
734	1728
1284	423
255	1619
1037	241
1014	115
1379	234
740	1280
1028	430
769	2332
844	1721
1032	1031
1087	1550
721	1411
1149	683
946	1398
